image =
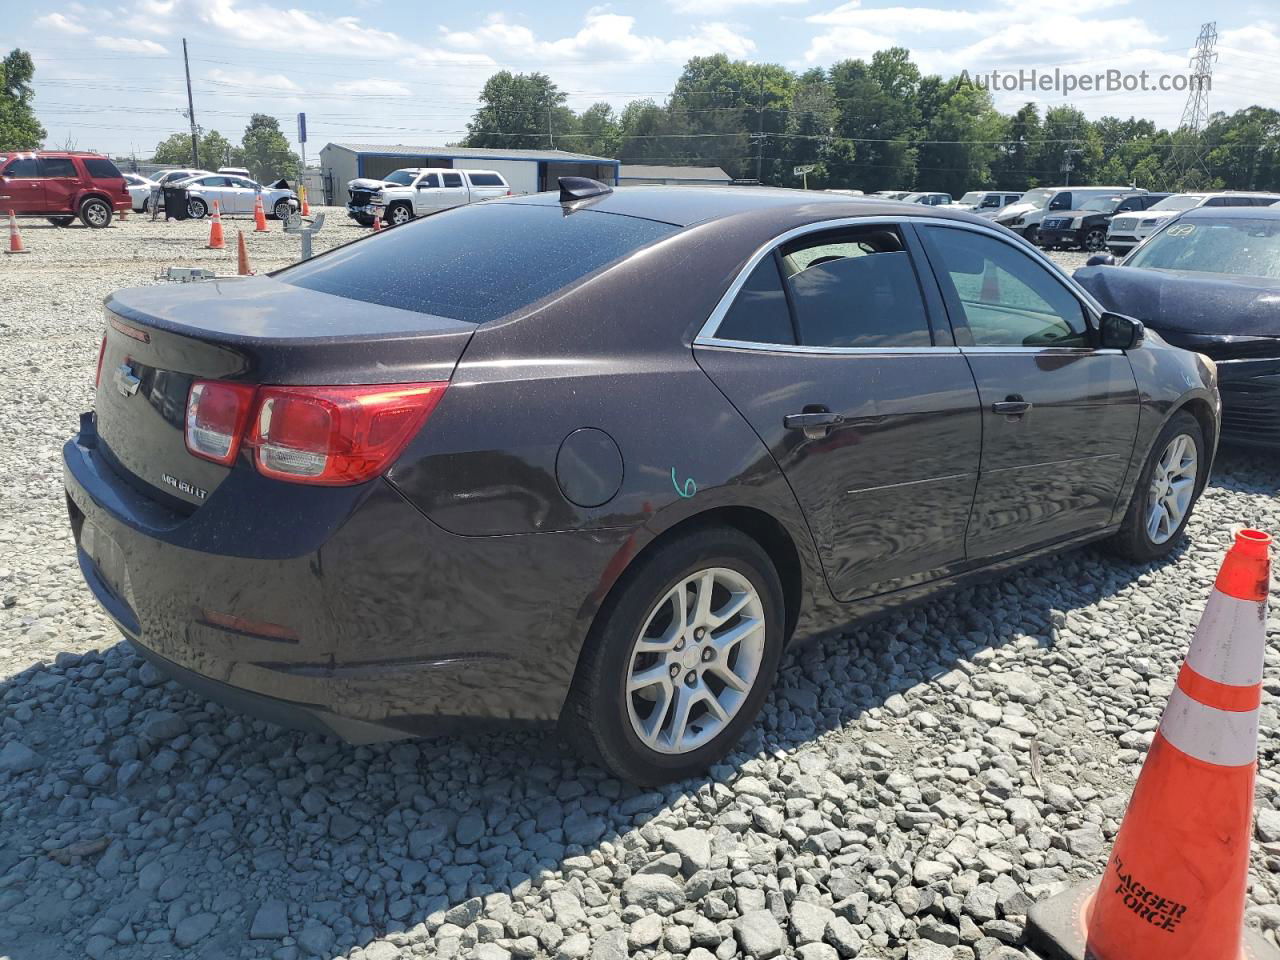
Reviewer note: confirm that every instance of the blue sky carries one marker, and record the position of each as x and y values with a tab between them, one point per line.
109	77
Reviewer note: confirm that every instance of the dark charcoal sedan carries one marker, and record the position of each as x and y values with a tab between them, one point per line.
596	458
1210	282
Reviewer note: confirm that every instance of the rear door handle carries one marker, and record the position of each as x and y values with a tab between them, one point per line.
815	425
1012	406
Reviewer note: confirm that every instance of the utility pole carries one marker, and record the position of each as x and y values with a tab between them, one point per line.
1195	115
760	127
191	108
551	137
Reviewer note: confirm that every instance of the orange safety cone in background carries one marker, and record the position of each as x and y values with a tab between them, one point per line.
1175	884
259	216
377	224
242	256
215	230
306	207
15	238
124	214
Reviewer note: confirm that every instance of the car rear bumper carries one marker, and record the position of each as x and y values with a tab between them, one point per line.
352	614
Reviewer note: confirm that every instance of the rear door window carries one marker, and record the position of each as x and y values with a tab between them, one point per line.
58	167
100	168
444	264
453	179
855	288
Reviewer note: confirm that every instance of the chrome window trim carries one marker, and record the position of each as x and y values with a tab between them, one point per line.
706	333
796	348
1046	351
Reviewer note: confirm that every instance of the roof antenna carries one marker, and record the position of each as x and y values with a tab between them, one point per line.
581	188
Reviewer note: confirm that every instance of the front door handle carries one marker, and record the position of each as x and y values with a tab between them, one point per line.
1011	406
815	424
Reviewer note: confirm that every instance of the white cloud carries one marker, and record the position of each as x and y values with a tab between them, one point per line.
61	23
373	86
606	37
708	8
128	45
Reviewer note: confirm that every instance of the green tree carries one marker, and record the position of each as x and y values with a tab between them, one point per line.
517	111
266	151
215	150
19	129
599	131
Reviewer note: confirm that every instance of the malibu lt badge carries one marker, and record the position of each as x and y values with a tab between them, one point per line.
184	487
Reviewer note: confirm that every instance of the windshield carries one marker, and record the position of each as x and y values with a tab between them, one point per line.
1102	204
1183	202
462	246
402	177
1247	248
912	197
1039	197
972	197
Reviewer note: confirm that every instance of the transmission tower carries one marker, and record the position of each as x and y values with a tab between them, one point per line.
1195	115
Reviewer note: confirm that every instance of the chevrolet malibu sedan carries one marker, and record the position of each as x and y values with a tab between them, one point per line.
385	493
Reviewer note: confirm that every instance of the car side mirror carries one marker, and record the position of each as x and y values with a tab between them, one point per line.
1118	332
1101	260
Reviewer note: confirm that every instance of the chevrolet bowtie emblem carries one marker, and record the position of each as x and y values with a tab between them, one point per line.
126	381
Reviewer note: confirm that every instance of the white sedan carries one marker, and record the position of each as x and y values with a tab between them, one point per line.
236	195
139	191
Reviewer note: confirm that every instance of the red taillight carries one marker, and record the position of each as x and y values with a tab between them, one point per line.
102	352
337	435
217	412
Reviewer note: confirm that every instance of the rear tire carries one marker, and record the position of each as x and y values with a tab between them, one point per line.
96	213
364	221
638	666
1095	240
62	221
197	209
1144	535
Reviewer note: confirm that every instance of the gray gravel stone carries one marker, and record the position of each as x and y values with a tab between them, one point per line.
759	934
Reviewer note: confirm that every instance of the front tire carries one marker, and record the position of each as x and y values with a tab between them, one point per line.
282	210
679	660
1032	234
398	213
1168	487
96	213
1095	240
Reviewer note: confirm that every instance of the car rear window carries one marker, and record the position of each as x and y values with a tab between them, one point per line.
58	167
485	179
100	168
478	262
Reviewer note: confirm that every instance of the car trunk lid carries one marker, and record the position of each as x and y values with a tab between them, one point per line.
256	330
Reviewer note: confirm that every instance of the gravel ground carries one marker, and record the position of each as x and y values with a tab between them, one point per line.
910	789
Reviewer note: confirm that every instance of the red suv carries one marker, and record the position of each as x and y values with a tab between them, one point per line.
61	186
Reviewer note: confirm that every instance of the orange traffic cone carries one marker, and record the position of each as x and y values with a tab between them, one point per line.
215	230
259	216
377	224
124	214
15	238
306	207
1175	884
242	256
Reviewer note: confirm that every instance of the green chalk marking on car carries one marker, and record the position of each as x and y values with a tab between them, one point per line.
689	488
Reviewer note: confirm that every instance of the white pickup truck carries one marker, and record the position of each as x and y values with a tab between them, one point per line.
418	191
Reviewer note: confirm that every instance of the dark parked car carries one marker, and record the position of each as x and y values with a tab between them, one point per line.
607	485
1209	281
1086	228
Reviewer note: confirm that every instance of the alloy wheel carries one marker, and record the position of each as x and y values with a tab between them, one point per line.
96	213
1173	484
1095	240
400	215
695	661
282	210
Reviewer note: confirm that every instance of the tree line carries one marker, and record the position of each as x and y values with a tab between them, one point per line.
263	150
876	125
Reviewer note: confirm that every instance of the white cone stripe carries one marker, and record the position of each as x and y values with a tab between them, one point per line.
1230	640
1215	736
